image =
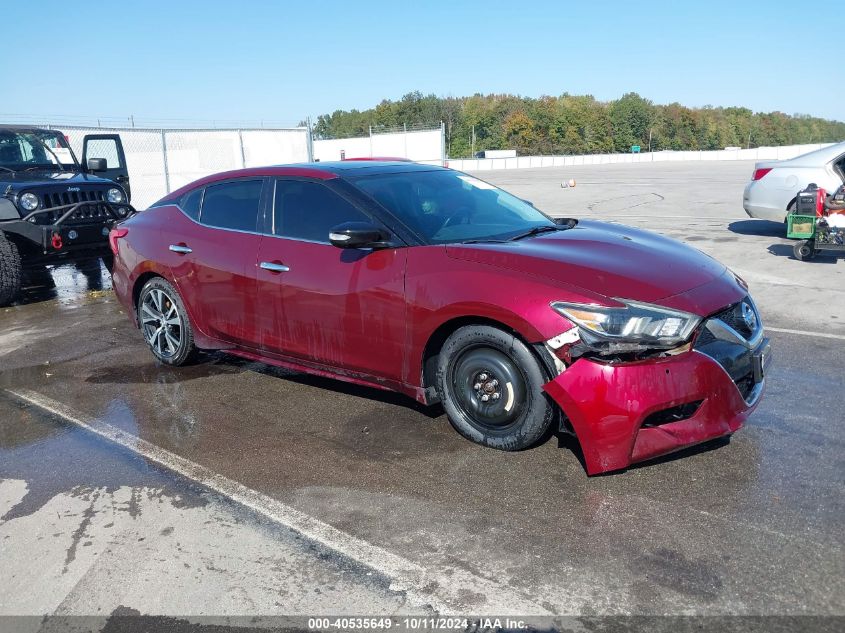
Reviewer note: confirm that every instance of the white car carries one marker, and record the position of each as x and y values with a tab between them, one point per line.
774	184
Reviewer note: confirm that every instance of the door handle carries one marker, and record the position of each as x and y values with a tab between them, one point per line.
274	267
180	248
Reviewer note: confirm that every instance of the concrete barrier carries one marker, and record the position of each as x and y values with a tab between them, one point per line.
527	162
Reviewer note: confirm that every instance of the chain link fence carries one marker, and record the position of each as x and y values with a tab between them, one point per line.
161	160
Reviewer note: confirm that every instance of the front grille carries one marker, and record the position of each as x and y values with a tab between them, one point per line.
86	214
734	357
732	316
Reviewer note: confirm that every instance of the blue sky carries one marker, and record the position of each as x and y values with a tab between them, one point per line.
282	61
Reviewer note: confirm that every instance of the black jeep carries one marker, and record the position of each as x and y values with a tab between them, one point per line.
51	207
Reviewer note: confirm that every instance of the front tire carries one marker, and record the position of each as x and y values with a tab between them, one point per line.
10	270
165	324
491	388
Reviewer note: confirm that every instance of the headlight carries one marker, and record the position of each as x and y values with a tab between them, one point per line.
637	326
29	202
115	196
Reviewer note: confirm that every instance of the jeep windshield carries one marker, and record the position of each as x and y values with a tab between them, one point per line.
35	150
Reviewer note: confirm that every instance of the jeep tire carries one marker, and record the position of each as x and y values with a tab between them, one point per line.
10	270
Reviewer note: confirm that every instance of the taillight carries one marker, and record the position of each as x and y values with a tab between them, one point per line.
114	235
759	173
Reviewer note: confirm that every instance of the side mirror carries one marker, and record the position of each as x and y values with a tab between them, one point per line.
358	235
97	164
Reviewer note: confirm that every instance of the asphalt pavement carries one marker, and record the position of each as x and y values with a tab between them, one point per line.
255	490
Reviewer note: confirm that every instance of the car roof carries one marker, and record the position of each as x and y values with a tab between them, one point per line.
320	171
816	158
361	166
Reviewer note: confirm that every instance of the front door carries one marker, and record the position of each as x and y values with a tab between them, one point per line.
339	307
109	147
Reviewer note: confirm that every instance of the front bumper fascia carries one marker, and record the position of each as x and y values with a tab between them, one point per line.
607	405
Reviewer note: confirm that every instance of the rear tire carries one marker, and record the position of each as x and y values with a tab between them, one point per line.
165	324
491	386
10	270
803	250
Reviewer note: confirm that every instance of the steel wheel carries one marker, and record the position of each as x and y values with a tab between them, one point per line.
161	323
489	388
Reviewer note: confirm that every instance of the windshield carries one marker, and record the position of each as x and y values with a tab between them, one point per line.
446	206
24	150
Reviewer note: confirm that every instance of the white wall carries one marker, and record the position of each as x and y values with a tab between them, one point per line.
192	154
426	146
522	162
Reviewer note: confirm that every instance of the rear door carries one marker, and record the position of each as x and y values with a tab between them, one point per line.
213	259
339	307
110	148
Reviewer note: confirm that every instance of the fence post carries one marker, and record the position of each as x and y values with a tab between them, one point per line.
371	141
309	142
442	144
241	141
164	155
405	125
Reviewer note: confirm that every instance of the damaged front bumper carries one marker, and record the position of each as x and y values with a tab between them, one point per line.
630	412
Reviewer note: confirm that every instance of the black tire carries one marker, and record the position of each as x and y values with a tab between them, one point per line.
478	361
163	320
10	270
803	250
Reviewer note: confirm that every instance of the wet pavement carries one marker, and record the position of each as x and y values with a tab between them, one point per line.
87	529
747	526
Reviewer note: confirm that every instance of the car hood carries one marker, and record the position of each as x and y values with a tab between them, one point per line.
31	179
611	260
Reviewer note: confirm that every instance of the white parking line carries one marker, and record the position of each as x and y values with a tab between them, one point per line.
783	330
424	587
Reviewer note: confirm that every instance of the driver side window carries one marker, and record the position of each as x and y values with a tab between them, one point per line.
308	210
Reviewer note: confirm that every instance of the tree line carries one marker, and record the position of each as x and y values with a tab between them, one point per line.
578	124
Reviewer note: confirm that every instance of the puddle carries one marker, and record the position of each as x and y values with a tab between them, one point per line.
54	458
65	281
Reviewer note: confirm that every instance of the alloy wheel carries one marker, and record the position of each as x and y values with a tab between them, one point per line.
161	323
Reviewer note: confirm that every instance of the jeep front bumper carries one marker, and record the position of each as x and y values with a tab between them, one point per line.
69	232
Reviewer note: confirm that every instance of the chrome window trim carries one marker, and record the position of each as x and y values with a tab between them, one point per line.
275	179
258	233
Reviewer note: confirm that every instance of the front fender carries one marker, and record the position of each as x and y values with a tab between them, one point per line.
439	290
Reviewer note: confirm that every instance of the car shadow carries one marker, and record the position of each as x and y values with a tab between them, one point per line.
785	250
331	384
567	441
758	227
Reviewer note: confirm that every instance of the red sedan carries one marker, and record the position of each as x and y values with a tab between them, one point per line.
443	287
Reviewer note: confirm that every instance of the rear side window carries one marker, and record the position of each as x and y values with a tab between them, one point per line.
232	205
190	203
306	210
